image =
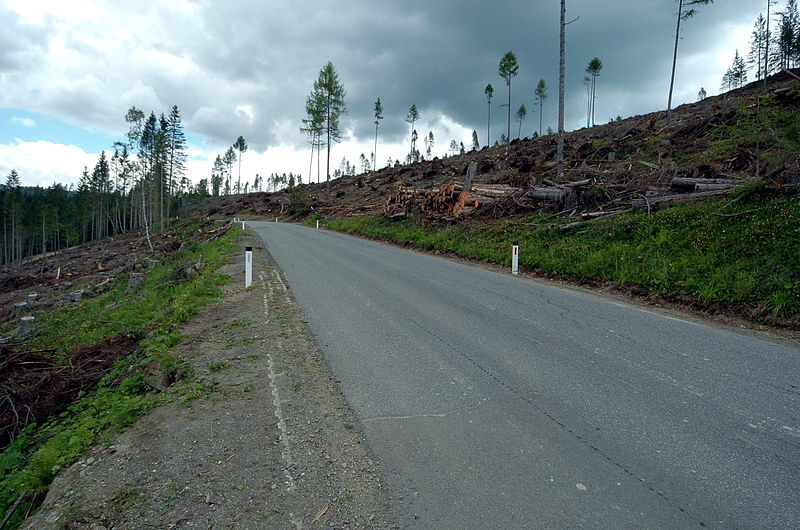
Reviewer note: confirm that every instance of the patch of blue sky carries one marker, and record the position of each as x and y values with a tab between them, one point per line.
33	127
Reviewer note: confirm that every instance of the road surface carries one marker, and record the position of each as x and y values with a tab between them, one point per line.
495	401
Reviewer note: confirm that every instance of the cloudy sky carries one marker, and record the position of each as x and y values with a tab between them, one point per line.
69	70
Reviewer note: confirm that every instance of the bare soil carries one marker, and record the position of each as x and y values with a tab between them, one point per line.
263	439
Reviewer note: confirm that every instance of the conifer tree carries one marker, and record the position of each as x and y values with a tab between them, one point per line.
593	69
241	146
758	45
228	159
508	69
378	114
331	94
411	118
520	115
541	94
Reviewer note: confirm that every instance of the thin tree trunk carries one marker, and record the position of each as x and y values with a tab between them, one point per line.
5	237
766	46
375	151
561	61
508	131
674	62
146	221
489	125
311	162
328	162
541	106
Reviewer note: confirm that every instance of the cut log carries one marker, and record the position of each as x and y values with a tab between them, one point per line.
711	187
688	183
577	183
673	200
397	216
547	194
593	216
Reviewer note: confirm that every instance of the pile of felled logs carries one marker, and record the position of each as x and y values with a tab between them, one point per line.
447	199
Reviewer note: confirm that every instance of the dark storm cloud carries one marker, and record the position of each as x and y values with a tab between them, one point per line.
246	67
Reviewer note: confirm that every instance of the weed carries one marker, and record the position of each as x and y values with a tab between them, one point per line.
348	426
126	500
348	497
239	322
219	367
171	494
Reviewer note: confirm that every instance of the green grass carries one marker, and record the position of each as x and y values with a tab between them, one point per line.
154	311
749	260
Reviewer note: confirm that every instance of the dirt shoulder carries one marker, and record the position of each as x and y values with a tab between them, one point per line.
263	439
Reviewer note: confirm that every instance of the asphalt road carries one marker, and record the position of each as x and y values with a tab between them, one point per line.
495	401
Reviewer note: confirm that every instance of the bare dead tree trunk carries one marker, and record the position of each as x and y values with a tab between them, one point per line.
674	61
561	66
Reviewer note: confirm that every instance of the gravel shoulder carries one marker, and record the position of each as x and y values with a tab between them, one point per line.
262	439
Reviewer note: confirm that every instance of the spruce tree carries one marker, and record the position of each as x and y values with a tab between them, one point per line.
593	69
378	114
520	115
508	69
411	118
541	95
241	146
331	93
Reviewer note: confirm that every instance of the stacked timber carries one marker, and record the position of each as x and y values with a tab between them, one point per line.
448	199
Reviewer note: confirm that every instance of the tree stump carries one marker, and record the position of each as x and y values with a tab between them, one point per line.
135	280
19	309
25	326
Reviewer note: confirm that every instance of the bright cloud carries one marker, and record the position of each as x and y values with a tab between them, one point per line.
44	163
25	122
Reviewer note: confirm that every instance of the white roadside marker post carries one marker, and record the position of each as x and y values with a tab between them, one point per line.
276	219
242	225
317	223
248	266
515	258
